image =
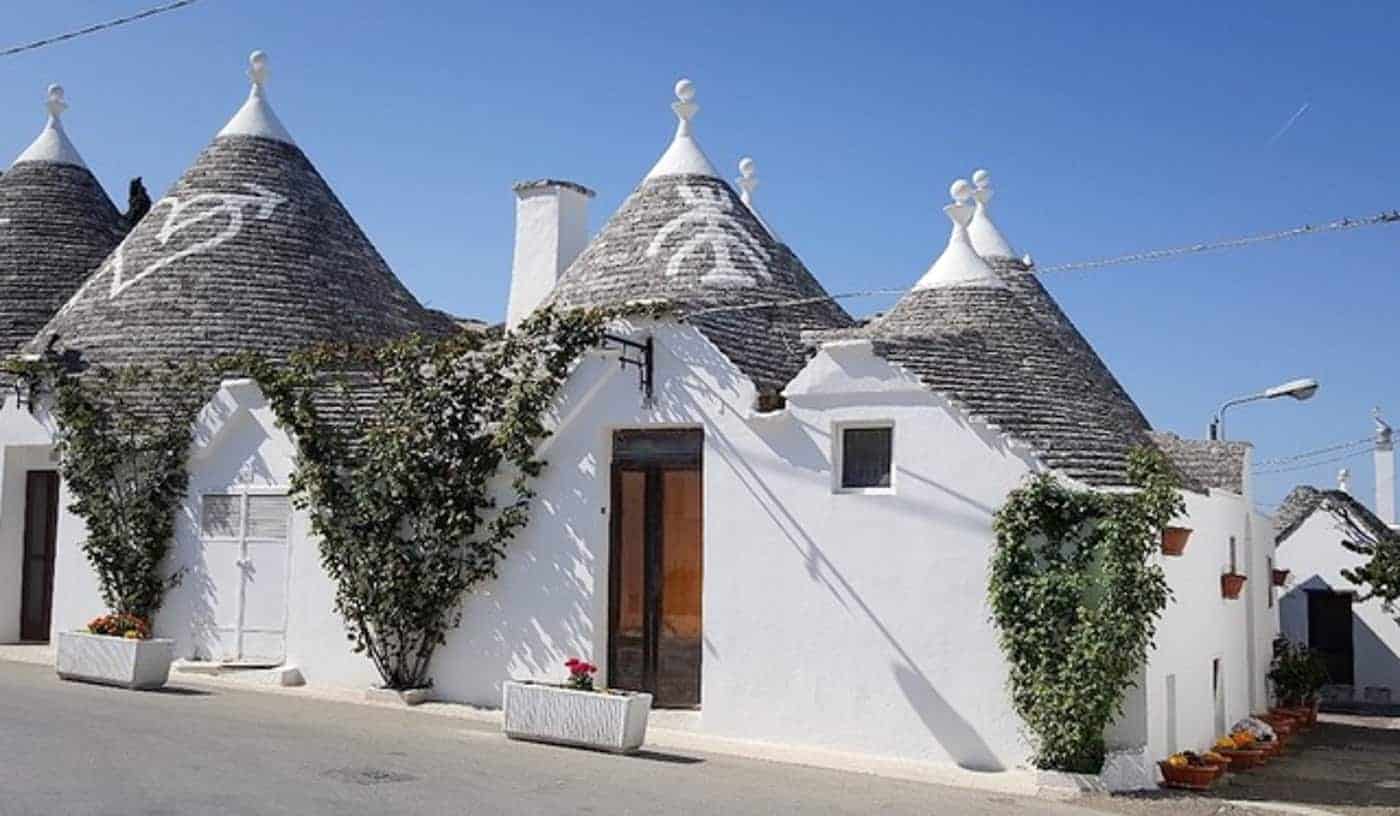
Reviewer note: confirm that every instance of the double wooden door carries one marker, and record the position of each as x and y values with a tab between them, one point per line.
655	636
40	539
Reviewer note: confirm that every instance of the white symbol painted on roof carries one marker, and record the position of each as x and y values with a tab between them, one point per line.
709	219
182	215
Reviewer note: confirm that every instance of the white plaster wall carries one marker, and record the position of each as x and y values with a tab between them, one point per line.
1200	625
850	622
1315	556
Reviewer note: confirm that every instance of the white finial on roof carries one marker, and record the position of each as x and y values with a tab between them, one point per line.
748	183
53	145
986	238
684	156
1344	480
960	265
256	117
747	180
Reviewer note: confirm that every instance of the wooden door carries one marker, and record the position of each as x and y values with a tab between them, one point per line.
655	634
40	540
1329	632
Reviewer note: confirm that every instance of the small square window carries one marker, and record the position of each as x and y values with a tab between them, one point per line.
867	458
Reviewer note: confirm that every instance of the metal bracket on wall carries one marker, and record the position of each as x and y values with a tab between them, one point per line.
643	357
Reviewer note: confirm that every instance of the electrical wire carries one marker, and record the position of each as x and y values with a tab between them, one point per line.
93	29
1308	465
1283	460
1337	225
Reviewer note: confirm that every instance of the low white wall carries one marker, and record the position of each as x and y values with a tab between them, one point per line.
1315	557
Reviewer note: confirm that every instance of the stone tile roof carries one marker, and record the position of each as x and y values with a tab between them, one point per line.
56	226
1209	463
1006	361
249	251
688	240
1304	500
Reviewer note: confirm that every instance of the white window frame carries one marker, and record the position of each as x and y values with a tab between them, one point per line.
838	454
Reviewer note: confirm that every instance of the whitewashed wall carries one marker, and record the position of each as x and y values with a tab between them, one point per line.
846	622
1200	625
1316	558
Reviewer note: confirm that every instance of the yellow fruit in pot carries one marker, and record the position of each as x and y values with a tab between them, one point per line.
1177	761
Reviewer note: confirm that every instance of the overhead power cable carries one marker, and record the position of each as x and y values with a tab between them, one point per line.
1297	457
1336	225
1307	465
95	28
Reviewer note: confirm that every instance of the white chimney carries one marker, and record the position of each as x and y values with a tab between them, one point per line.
1385	472
551	229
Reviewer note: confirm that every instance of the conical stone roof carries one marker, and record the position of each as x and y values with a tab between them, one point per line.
684	238
249	251
1007	353
56	226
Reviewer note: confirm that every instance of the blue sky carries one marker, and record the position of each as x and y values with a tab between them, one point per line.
1107	128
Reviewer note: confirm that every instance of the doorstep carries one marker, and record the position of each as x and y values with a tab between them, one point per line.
259	676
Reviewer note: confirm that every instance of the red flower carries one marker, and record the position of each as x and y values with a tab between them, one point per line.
573	663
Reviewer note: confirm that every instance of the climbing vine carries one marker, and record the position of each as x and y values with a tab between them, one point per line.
123	437
1076	595
404	453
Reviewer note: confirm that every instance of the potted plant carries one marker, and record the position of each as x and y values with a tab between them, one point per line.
1189	770
1297	675
1174	540
1230	585
1280	577
576	712
116	650
1240	749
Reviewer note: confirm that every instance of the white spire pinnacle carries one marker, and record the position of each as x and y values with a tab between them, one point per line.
748	183
53	145
684	156
256	117
986	238
960	265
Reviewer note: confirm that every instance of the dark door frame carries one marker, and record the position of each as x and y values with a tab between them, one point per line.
651	452
1341	662
30	629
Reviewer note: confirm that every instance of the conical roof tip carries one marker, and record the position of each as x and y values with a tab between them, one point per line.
985	237
683	157
256	117
52	145
960	264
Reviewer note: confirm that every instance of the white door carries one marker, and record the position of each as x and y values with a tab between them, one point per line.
245	538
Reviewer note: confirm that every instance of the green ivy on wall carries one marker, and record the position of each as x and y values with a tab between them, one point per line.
402	453
1076	595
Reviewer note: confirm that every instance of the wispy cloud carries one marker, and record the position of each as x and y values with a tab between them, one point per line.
1287	126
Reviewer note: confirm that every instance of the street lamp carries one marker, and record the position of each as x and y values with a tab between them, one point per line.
1297	389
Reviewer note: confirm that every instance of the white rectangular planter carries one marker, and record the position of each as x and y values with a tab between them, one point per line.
611	721
114	661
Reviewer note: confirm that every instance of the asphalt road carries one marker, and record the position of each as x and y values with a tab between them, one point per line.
70	748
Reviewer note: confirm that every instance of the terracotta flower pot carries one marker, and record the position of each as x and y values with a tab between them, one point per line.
1174	540
1230	585
1191	777
1280	577
1242	759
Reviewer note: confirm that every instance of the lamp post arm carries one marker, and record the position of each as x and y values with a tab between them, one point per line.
1217	425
